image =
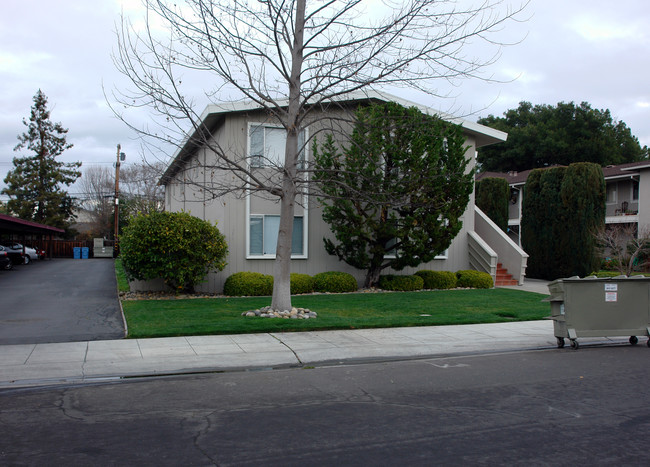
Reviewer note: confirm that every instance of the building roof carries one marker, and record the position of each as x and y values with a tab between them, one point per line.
15	224
514	177
214	114
610	172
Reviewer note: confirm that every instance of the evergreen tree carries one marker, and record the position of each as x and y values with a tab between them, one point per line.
545	135
583	197
563	208
493	198
35	185
394	197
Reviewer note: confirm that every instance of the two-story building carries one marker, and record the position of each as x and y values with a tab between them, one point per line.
250	220
628	195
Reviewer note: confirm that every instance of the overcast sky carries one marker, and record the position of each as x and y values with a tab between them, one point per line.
572	50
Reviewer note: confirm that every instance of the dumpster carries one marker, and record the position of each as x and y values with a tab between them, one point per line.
600	307
76	252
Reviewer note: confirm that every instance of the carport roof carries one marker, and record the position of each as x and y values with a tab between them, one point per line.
16	225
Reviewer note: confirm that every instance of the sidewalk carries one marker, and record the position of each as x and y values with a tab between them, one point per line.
37	364
49	364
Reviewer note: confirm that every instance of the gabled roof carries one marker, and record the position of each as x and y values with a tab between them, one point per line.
214	114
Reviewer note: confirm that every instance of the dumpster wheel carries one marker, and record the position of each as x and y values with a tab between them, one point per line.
634	340
560	342
574	344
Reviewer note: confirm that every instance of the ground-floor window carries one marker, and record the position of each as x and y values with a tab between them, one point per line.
263	235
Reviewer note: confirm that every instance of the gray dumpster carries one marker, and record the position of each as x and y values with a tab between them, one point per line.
593	307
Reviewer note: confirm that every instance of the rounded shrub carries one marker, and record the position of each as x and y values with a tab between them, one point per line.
301	283
335	282
474	279
437	279
401	283
175	246
248	284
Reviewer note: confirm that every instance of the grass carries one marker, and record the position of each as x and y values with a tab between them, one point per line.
222	315
122	282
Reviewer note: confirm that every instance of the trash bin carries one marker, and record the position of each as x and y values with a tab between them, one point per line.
76	252
600	307
84	252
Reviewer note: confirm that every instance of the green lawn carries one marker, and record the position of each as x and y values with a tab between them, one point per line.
183	317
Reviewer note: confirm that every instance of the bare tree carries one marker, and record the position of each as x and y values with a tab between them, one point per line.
139	184
138	188
291	57
97	186
627	245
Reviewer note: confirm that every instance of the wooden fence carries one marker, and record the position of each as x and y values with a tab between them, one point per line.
65	248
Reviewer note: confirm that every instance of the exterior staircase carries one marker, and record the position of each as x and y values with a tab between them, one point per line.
503	277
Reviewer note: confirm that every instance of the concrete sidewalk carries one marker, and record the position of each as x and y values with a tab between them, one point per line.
50	364
78	362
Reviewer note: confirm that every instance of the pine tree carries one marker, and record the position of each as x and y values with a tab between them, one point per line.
35	185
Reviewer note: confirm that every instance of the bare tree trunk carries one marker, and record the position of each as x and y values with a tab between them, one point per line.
281	299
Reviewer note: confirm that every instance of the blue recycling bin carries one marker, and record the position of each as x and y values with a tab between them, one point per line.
84	252
76	252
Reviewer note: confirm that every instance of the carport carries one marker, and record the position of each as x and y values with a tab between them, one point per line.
23	231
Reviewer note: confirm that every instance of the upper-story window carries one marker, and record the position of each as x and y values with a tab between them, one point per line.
635	190
267	145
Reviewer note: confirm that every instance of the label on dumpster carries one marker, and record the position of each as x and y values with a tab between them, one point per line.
611	287
611	296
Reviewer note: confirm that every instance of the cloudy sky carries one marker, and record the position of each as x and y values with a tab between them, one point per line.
572	50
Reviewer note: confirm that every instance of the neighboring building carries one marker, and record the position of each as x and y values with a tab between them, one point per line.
250	222
628	195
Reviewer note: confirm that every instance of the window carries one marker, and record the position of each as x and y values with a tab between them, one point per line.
611	193
635	190
263	236
267	145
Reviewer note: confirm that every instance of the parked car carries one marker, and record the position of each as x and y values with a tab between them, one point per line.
15	254
20	255
40	252
5	260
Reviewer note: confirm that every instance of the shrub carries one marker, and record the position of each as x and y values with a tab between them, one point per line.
175	246
493	198
437	279
474	279
335	282
301	283
248	284
401	283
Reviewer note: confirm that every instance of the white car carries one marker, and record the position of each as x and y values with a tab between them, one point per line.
30	253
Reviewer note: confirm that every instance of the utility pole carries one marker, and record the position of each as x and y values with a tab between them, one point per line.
120	157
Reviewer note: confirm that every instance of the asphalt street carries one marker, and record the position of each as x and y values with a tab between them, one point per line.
59	300
548	407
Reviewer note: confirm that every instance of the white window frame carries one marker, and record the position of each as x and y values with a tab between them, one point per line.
265	161
249	214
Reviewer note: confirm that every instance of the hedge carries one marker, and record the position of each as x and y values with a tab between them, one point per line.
438	279
402	283
474	279
248	284
335	282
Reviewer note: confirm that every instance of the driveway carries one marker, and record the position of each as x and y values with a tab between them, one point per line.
60	300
